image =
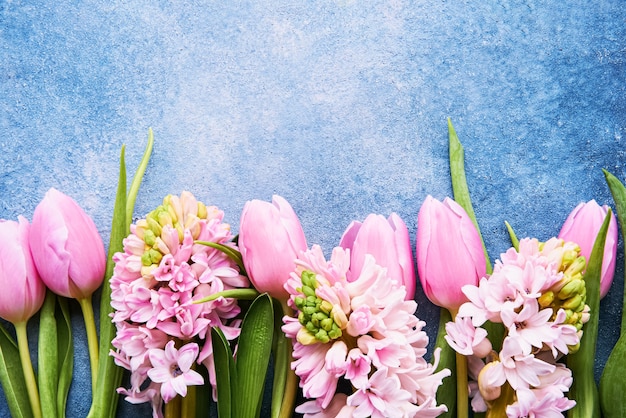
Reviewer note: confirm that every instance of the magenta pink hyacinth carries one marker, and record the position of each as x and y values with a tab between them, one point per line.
23	291
582	226
449	252
270	239
387	239
66	247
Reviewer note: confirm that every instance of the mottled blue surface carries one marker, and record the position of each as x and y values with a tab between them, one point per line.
339	106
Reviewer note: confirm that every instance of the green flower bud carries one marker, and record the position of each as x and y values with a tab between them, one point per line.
573	303
571	288
546	299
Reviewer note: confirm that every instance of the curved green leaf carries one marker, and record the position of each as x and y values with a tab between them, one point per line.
459	183
446	394
253	356
12	377
66	354
225	374
105	398
612	382
232	253
584	390
48	356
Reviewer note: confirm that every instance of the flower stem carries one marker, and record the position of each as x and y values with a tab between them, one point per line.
188	403
92	338
291	380
27	368
462	391
173	408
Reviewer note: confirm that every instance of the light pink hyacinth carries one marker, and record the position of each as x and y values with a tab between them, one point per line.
538	294
362	331
161	272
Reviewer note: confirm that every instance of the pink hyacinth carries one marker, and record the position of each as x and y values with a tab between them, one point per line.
156	280
362	331
538	294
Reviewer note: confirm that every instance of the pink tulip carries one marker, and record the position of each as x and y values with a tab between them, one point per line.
270	240
66	247
388	241
449	252
582	227
23	291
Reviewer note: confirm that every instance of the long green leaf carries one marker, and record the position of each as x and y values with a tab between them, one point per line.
229	251
446	394
253	356
12	377
618	190
225	375
105	398
584	390
48	356
66	354
459	183
612	383
462	197
137	178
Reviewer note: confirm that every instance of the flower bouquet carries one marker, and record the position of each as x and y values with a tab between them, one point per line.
198	320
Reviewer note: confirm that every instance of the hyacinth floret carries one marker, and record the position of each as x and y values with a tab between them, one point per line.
156	280
363	332
537	292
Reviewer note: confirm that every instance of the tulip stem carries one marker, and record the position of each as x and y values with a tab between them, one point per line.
92	338
462	390
27	368
291	380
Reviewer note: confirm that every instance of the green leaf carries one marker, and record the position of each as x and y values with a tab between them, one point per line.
584	390
459	183
612	382
514	240
66	354
48	356
253	356
12	377
232	253
446	394
137	178
225	373
619	197
105	398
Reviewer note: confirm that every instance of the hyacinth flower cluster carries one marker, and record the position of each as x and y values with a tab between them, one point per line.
166	266
360	333
537	293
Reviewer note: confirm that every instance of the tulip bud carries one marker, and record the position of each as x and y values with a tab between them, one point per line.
388	241
582	226
270	240
66	247
449	252
23	291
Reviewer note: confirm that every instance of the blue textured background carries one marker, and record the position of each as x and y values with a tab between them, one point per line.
339	106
